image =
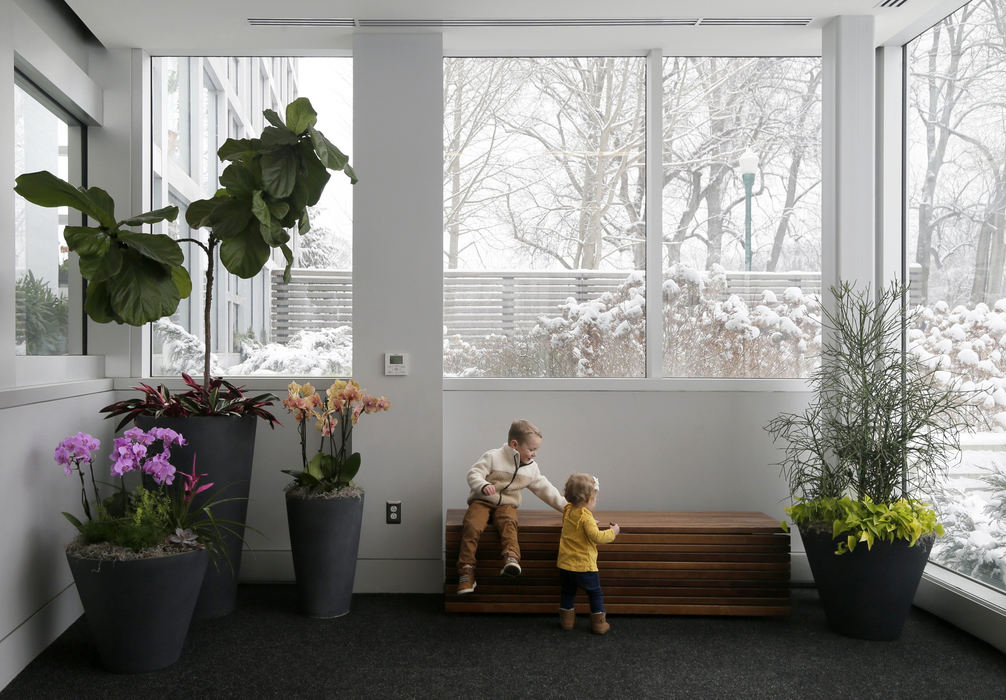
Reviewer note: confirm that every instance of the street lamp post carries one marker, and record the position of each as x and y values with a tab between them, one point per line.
748	165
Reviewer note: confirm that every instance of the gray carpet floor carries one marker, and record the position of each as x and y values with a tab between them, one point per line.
404	646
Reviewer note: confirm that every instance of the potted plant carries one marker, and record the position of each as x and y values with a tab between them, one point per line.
137	278
140	555
324	507
863	457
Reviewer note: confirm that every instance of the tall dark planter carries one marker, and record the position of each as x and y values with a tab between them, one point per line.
138	611
866	593
224	447
324	540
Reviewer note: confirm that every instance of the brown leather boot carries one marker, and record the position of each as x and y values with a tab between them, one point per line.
567	618
598	625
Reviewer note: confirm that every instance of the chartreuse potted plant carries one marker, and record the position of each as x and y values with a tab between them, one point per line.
137	278
140	554
862	460
324	506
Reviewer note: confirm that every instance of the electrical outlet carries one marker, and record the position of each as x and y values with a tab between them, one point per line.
393	512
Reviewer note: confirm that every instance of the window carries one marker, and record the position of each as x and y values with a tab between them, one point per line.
545	208
741	216
956	247
260	326
544	239
45	138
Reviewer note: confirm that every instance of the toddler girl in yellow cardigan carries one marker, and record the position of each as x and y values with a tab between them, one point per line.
578	552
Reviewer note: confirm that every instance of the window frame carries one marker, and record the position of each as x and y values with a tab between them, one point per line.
654	379
77	365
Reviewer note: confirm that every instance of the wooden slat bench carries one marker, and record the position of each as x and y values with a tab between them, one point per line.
662	563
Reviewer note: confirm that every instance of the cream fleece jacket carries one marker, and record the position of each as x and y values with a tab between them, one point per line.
501	468
579	539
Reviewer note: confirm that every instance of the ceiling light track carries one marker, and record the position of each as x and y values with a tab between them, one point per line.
395	23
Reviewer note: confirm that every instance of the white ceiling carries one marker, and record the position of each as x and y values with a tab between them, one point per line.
221	26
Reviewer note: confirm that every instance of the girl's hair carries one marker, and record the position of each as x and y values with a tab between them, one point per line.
579	488
521	430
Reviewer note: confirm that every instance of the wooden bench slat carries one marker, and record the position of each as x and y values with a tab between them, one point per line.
676	562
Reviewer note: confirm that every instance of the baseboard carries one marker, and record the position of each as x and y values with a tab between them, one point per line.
26	641
372	575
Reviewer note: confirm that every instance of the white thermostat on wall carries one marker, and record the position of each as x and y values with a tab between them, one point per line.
396	364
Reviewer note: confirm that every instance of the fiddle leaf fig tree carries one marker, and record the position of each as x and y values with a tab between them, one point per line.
265	190
133	277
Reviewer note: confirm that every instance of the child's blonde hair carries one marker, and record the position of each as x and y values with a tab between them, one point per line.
521	430
579	488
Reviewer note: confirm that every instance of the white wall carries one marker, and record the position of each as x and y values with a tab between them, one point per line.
38	601
651	450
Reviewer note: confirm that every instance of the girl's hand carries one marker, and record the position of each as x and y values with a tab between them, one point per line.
615	528
489	489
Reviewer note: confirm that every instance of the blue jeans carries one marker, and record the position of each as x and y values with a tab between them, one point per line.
589	581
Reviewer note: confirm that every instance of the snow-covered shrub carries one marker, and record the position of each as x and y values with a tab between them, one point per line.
322	352
708	337
975	541
181	351
603	337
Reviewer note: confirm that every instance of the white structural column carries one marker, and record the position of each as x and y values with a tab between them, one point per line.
398	234
7	377
849	164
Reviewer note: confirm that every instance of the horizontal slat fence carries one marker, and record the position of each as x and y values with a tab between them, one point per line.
477	304
662	563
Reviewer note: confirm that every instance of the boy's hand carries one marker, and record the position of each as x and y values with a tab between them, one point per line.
615	527
489	489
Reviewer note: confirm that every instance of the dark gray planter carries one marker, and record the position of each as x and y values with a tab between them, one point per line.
224	447
324	540
866	593
138	611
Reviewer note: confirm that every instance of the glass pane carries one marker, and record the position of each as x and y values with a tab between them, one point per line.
260	326
956	250
741	216
42	141
544	238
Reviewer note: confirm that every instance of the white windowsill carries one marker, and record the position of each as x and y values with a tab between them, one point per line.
965	603
40	393
623	384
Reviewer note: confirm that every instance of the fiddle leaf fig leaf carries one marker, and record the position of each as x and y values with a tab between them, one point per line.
238	149
279	210
245	255
183	283
288	255
46	190
106	207
273	118
97	305
199	212
300	115
155	246
329	154
238	180
152	217
143	291
86	241
279	172
278	136
96	268
305	223
230	218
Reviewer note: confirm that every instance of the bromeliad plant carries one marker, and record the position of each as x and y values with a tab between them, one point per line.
335	415
218	397
877	437
159	520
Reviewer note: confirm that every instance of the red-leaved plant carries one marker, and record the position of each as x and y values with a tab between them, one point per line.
217	397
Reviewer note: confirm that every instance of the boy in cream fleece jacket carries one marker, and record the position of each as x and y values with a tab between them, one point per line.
496	481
